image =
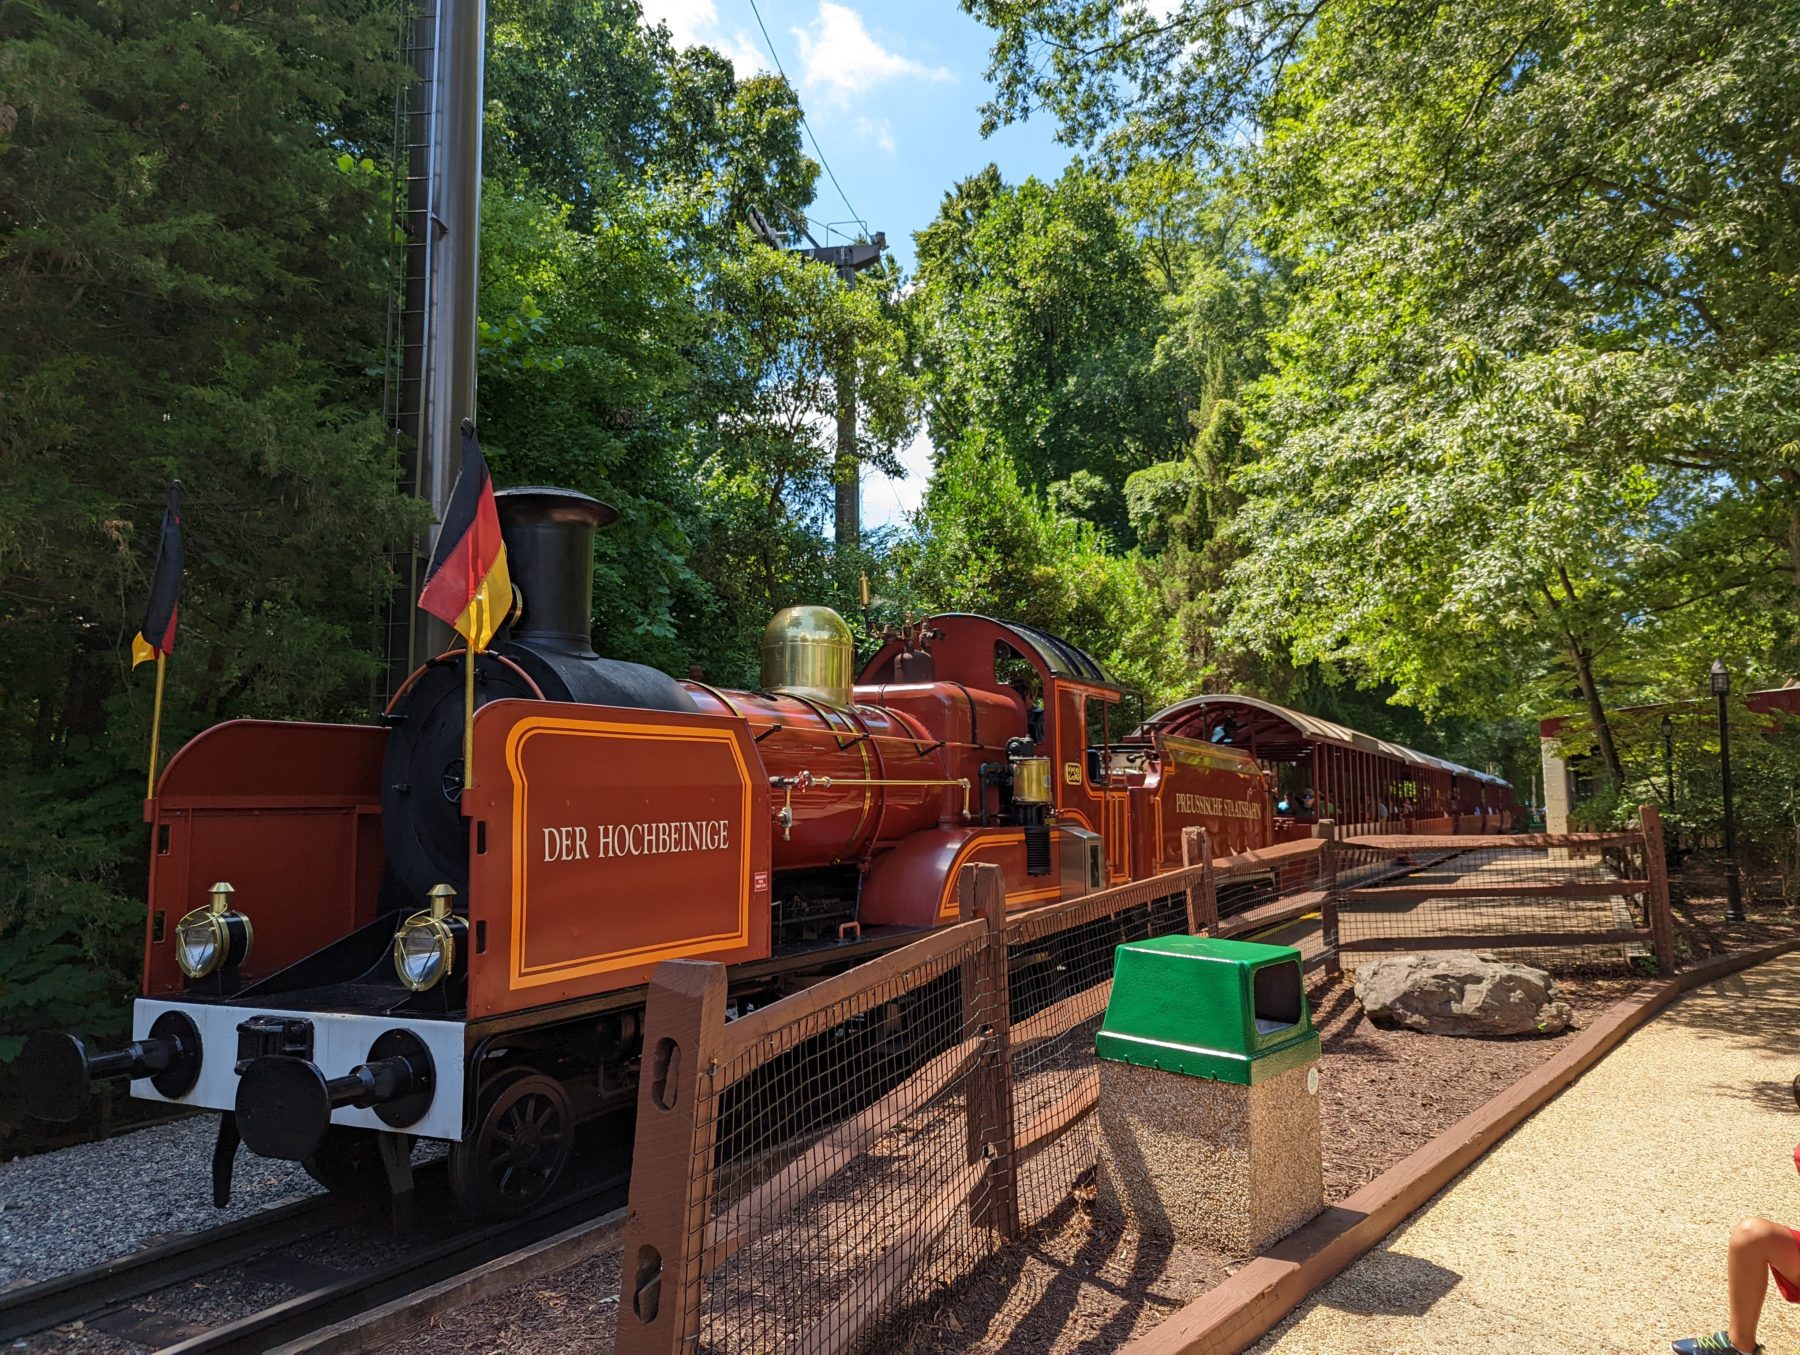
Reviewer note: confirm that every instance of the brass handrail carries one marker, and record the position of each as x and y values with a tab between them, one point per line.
806	781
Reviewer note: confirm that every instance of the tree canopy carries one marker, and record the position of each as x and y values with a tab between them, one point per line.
1429	367
1532	388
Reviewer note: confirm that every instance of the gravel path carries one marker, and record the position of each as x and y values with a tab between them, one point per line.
1600	1224
80	1206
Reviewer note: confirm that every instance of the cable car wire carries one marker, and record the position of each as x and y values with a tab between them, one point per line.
823	162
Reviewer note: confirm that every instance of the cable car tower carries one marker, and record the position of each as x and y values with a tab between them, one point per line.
848	260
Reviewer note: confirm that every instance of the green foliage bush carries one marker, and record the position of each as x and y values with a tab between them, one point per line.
1765	771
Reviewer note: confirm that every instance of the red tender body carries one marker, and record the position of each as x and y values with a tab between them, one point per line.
290	814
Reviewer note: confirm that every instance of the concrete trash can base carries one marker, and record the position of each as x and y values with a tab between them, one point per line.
1209	1108
1187	1159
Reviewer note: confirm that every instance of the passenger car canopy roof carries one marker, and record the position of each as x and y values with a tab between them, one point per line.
1283	735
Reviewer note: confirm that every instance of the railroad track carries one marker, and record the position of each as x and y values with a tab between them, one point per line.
102	1297
308	1311
82	1294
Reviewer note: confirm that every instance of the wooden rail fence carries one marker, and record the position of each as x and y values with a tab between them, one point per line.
781	1200
1535	892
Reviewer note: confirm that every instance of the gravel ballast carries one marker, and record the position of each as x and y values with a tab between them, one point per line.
78	1207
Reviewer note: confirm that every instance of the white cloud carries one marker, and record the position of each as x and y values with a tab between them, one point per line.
694	23
690	21
840	57
747	56
880	132
887	501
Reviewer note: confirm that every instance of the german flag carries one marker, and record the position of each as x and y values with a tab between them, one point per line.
157	635
467	584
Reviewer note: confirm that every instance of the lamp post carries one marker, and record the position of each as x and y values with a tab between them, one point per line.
1734	899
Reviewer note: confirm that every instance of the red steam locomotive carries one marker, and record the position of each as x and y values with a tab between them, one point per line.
346	951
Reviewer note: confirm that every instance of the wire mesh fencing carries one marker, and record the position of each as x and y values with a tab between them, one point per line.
809	1159
808	1174
1060	970
1287	875
1560	901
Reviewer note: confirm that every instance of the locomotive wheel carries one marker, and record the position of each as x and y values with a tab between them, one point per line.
518	1148
348	1164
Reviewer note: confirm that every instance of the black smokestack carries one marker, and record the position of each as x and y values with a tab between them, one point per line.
549	537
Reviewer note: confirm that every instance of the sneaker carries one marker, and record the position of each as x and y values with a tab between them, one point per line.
1716	1344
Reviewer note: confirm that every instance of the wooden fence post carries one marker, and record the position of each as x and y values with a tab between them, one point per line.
1656	871
672	1162
1328	906
1203	893
987	1007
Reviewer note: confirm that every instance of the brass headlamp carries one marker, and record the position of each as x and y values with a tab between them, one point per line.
429	946
214	937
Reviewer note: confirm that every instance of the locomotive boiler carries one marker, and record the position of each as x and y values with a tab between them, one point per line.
353	942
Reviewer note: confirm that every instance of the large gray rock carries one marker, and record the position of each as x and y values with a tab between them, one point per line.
1458	992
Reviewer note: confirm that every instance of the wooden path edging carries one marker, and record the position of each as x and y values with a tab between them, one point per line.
381	1327
1243	1309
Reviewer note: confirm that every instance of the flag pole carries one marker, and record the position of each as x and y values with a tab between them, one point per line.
162	662
469	719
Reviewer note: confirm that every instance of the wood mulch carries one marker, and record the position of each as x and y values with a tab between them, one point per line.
1078	1283
1083	1284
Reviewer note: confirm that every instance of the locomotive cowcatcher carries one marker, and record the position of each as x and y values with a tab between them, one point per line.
346	950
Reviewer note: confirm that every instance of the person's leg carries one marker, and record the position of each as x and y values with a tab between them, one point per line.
1757	1246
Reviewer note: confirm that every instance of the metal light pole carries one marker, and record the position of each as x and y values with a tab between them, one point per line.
434	326
1734	899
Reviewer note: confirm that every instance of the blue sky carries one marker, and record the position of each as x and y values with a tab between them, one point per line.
893	96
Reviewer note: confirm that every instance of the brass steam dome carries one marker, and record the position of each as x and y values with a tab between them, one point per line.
809	652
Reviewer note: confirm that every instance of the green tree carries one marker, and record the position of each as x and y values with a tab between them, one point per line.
988	543
576	94
782	325
589	103
617	334
193	235
587	379
1038	327
1536	393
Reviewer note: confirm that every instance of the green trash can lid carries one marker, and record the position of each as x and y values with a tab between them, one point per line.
1234	1011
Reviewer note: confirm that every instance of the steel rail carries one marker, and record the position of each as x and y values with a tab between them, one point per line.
83	1293
300	1316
